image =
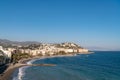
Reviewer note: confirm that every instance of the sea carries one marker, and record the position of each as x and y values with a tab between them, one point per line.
100	65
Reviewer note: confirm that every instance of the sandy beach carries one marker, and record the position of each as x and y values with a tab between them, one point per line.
6	75
8	72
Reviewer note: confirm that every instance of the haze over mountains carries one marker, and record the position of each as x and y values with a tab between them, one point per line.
5	42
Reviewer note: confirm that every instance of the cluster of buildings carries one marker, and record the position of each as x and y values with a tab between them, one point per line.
45	49
5	56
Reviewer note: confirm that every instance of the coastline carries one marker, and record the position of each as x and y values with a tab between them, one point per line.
8	72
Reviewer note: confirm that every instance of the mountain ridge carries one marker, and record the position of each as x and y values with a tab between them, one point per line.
6	42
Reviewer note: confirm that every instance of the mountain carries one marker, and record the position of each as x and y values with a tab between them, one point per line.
5	43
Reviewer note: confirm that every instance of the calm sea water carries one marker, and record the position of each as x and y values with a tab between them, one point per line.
96	66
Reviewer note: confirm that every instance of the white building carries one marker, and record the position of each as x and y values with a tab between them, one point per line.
7	53
68	50
83	50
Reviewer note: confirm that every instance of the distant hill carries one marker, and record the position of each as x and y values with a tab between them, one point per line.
8	43
5	43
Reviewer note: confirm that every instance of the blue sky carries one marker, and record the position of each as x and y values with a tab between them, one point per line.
94	24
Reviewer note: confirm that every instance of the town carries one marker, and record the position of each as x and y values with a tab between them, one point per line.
16	53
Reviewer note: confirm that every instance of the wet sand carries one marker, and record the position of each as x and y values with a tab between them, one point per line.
8	72
6	75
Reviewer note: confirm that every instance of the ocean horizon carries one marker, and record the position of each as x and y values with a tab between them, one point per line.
100	65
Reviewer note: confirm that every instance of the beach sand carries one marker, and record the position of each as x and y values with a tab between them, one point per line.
6	75
8	72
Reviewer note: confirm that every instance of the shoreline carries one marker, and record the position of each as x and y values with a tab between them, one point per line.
7	74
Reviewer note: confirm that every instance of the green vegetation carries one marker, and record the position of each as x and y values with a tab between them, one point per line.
18	56
61	53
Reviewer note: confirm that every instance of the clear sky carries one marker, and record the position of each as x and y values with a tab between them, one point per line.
92	23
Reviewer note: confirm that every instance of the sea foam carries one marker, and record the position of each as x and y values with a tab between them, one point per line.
21	71
31	61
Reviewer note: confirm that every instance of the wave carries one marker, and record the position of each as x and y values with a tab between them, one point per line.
31	61
21	73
